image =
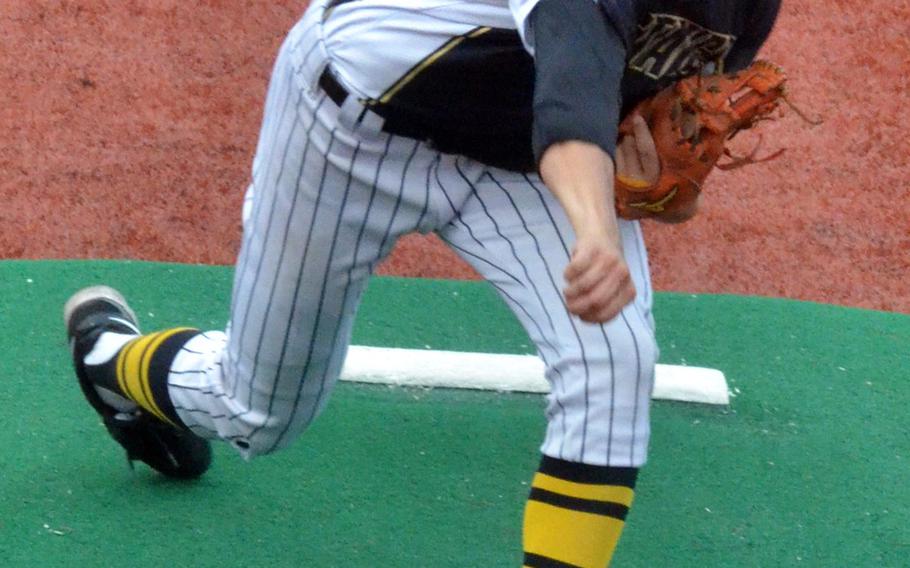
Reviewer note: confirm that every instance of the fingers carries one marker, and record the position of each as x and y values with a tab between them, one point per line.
598	284
622	167
646	150
627	163
586	279
614	296
581	260
636	154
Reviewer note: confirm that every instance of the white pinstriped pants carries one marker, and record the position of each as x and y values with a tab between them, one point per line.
327	202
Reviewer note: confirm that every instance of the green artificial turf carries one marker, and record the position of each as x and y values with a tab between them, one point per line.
809	465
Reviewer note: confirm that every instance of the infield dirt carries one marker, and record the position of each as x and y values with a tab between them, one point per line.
128	129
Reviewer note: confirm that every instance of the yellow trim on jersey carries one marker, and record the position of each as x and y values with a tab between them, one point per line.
133	369
609	493
426	62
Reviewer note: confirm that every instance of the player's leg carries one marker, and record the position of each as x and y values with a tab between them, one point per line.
325	205
514	232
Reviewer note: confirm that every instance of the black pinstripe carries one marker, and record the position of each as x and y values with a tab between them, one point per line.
524	267
610	350
325	283
350	277
612	395
644	272
517	305
194	352
322	294
303	262
201	411
404	175
208	392
581	346
457	213
637	386
374	189
543	260
278	266
426	199
241	324
501	290
304	35
241	269
195	371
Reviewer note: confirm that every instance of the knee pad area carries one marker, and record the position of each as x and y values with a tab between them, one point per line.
598	407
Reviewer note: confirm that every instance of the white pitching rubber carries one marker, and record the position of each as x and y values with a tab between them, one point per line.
509	373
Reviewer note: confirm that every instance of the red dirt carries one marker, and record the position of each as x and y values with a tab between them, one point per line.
129	129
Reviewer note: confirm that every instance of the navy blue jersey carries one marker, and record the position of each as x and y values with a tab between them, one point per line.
477	98
668	40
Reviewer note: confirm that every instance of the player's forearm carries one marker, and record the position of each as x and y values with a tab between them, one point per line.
579	61
580	174
598	282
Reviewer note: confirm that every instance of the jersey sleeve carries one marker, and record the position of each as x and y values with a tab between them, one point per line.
579	60
757	29
621	14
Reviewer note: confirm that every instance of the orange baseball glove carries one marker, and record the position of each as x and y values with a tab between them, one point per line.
690	123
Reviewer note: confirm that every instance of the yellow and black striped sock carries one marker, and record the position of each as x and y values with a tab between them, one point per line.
140	371
575	514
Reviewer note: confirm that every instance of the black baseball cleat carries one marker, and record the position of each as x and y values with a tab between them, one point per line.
171	451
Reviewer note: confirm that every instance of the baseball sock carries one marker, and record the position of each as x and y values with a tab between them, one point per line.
575	514
130	370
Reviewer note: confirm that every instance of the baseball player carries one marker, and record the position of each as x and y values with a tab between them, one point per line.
495	125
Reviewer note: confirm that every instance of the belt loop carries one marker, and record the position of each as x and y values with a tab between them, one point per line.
354	115
311	79
350	113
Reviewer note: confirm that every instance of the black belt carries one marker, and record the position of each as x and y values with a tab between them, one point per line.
483	147
328	83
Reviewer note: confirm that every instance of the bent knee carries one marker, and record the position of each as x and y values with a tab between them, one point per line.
616	358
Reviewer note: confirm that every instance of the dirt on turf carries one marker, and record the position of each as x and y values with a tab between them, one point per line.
128	129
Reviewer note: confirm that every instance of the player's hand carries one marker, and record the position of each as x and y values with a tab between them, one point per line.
598	283
637	160
636	154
